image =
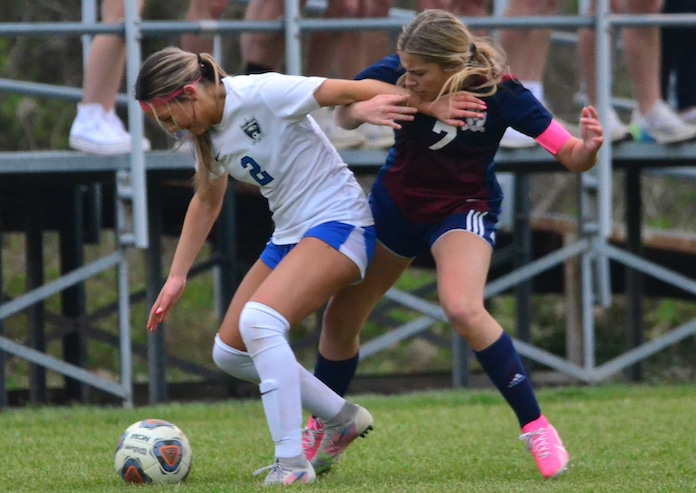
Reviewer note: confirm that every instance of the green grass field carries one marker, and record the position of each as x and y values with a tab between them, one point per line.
620	438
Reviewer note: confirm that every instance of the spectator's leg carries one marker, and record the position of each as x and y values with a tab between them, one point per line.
324	45
263	52
106	60
96	128
360	49
642	54
202	10
654	118
527	50
679	58
324	58
616	129
460	8
668	49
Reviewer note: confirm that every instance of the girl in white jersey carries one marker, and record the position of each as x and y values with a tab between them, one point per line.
256	129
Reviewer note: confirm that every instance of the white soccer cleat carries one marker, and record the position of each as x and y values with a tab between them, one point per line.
288	471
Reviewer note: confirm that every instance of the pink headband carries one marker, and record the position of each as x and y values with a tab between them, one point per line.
161	100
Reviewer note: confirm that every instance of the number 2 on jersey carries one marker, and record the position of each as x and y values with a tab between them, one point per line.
255	171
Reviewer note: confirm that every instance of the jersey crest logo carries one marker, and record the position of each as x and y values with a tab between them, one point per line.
252	129
475	124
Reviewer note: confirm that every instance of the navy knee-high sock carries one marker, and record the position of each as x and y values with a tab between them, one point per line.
502	364
337	375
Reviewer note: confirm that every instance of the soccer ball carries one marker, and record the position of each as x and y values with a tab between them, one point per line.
153	451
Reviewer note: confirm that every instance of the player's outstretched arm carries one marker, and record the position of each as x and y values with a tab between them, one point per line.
581	154
388	110
201	214
453	108
168	297
385	109
338	92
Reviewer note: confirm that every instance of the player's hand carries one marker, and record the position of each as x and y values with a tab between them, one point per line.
385	109
591	129
168	297
452	109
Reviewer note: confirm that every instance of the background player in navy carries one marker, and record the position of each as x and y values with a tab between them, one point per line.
438	191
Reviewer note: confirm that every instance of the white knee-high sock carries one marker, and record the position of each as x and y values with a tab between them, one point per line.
263	330
234	362
317	398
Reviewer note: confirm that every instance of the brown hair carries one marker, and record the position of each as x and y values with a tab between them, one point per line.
163	74
438	36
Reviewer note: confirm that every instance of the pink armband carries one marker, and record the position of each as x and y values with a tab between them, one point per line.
553	137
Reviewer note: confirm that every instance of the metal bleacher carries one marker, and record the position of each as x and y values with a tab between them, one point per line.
137	218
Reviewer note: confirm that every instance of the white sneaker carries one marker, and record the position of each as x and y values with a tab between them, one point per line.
98	132
339	137
662	125
376	136
688	115
617	131
117	125
512	139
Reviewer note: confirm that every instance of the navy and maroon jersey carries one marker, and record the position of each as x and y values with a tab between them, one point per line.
436	170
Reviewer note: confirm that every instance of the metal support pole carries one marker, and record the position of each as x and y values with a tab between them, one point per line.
124	330
137	198
226	246
603	169
293	42
156	342
522	239
38	391
121	207
89	16
588	332
634	278
135	124
3	355
73	298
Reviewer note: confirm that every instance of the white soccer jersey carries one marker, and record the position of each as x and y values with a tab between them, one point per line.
267	139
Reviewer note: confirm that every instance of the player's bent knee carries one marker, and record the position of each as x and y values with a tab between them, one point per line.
234	362
259	325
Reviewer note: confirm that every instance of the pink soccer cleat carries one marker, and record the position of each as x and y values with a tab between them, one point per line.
352	422
545	445
312	435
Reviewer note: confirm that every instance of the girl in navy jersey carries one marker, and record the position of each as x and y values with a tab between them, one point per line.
256	129
437	191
